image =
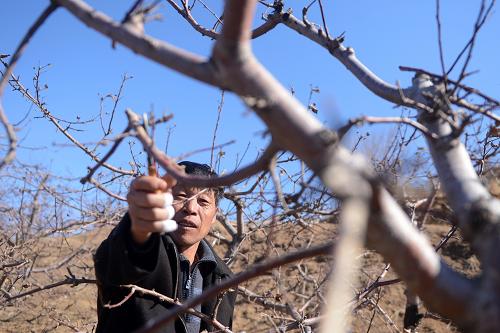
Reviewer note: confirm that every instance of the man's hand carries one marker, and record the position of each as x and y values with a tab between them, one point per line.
150	207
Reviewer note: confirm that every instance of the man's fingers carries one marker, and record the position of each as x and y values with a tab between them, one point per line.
151	214
154	226
149	184
150	206
149	199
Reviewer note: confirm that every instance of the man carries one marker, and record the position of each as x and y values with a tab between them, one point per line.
179	264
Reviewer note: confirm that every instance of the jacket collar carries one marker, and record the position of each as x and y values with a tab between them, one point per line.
221	269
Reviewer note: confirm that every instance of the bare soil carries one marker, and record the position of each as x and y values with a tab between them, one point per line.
301	285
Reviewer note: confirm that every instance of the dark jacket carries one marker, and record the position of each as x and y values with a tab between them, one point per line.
155	266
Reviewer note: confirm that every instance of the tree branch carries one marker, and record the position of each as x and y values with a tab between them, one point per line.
185	12
391	233
69	280
354	220
156	50
142	291
250	273
468	197
9	129
386	120
347	57
19	86
177	172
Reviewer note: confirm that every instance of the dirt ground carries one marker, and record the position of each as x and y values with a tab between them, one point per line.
72	308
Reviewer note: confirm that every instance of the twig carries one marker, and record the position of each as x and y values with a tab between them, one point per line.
24	43
59	264
219	20
115	104
429	203
323	18
446	238
52	119
470	44
440	44
201	150
219	111
384	314
271	22
277	184
105	190
105	158
304	14
385	120
261	300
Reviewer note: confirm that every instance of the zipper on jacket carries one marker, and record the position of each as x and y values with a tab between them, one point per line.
177	282
178	270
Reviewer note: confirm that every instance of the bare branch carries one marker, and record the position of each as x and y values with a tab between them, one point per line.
385	120
153	49
185	12
347	57
440	43
389	232
142	291
116	99
55	121
9	129
463	187
323	18
460	101
219	111
354	220
481	19
105	158
105	190
250	273
173	169
69	280
277	184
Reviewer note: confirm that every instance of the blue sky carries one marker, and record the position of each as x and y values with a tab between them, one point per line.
384	34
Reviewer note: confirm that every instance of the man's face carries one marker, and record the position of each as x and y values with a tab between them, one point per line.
195	212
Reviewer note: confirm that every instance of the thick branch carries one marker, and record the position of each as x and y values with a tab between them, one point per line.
179	60
347	57
391	233
354	218
468	197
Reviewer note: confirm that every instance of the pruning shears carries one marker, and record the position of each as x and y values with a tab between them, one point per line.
151	162
169	224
